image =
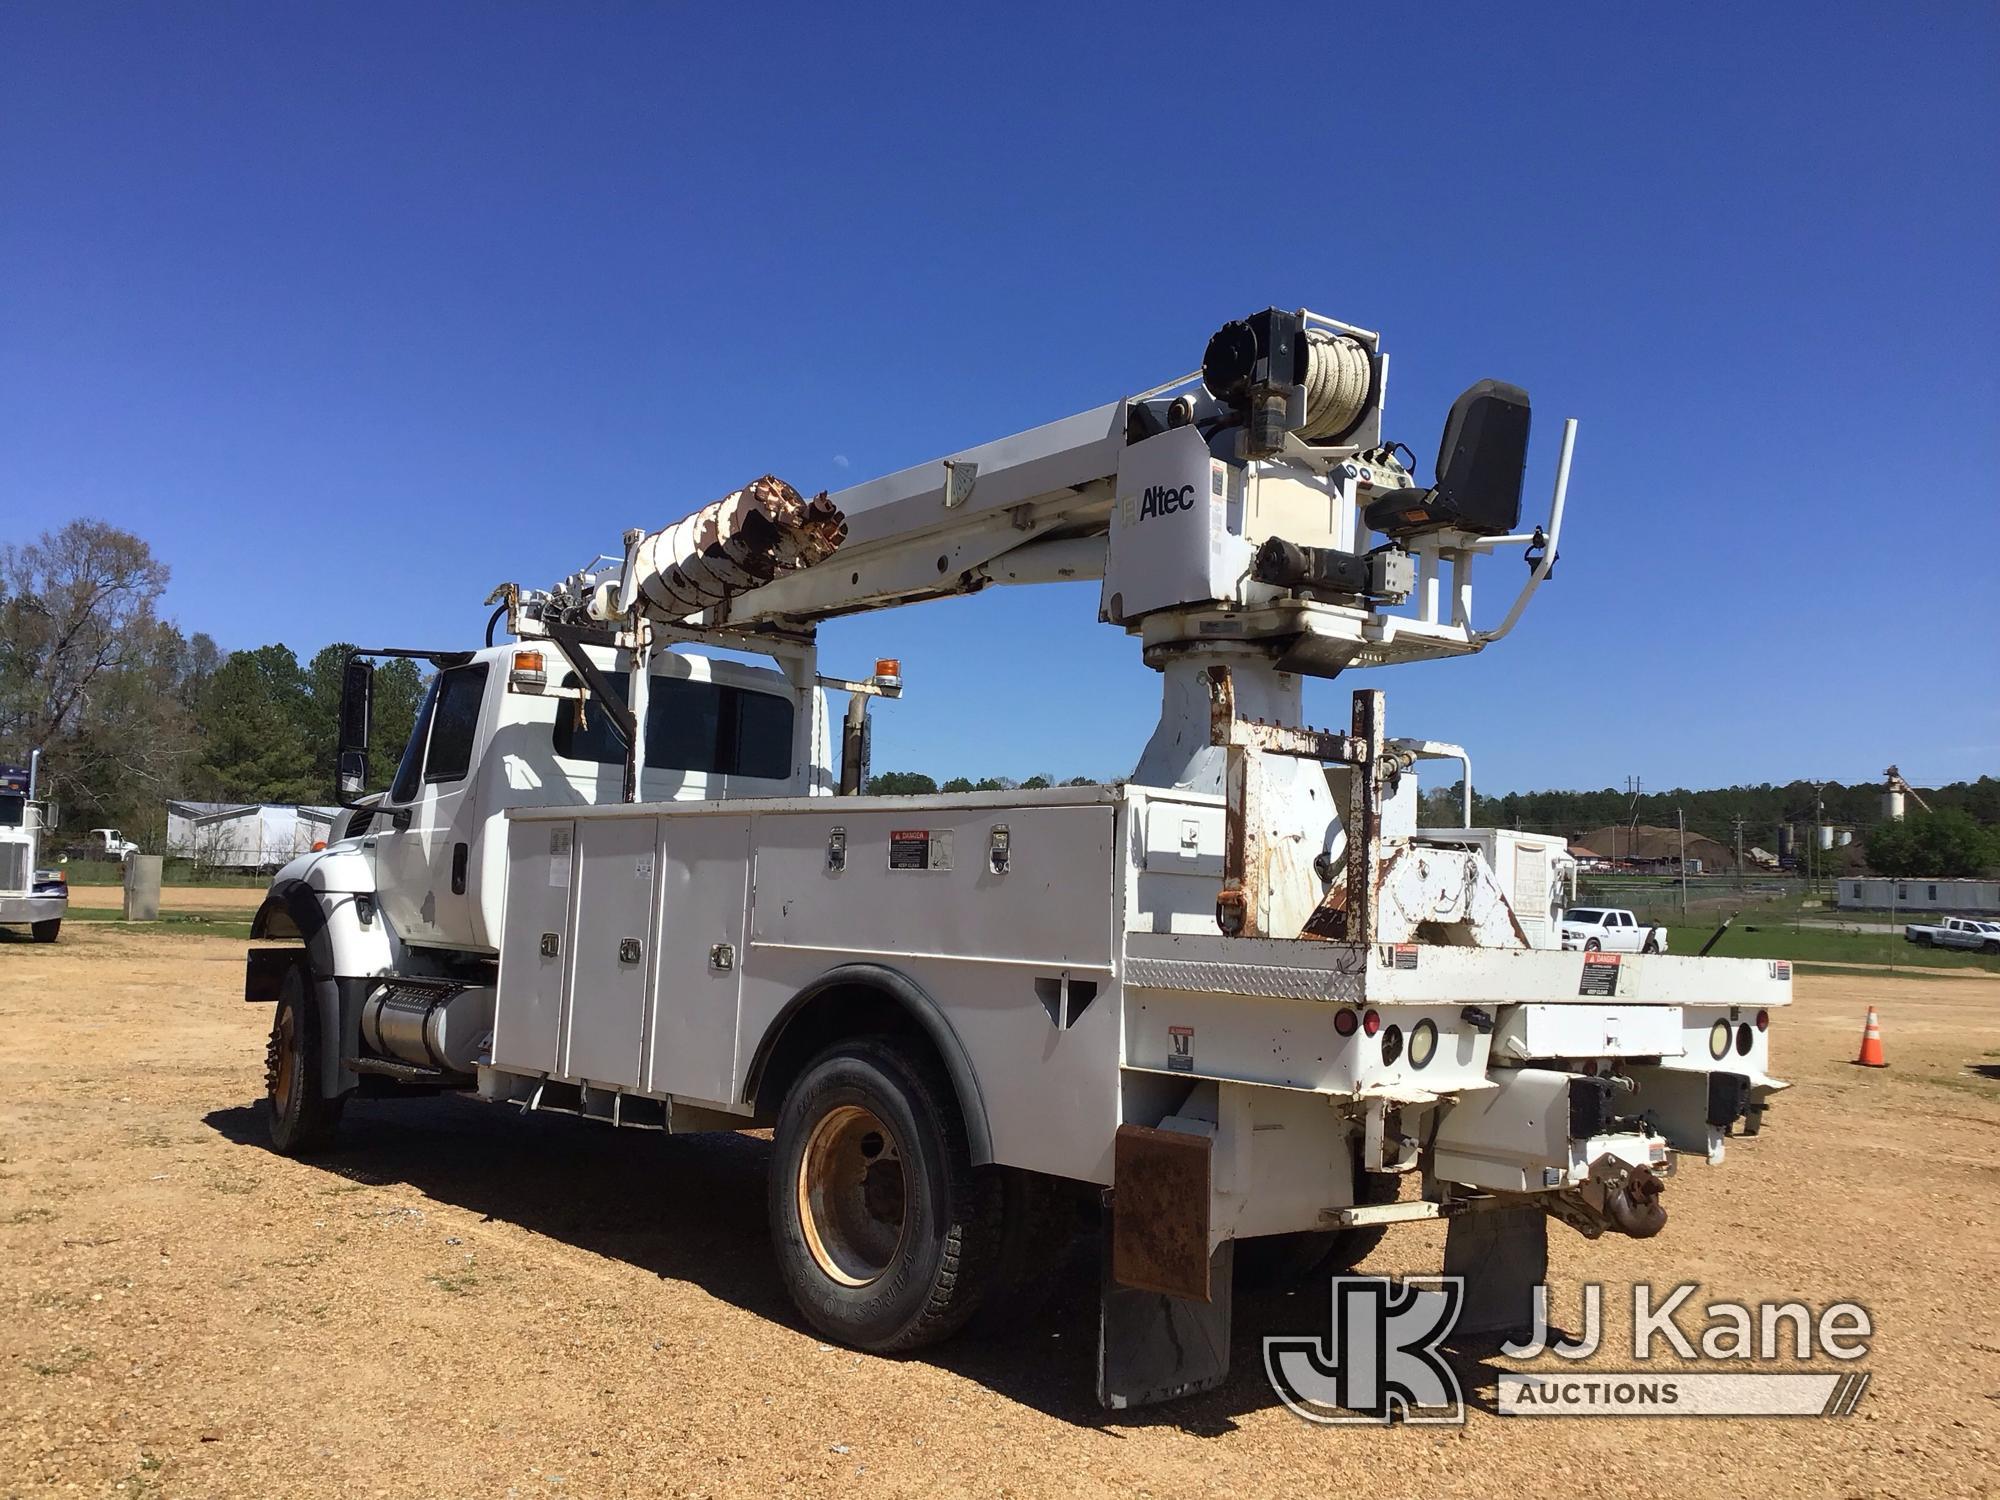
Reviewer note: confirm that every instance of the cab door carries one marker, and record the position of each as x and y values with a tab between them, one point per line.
424	866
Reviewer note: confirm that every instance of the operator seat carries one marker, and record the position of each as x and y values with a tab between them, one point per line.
1480	463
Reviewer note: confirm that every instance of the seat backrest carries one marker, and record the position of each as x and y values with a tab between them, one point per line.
1483	456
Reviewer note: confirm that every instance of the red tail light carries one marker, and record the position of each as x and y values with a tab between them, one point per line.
1763	1020
1371	1022
1345	1021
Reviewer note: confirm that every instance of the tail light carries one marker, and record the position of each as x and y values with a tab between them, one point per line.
1345	1022
1763	1020
1371	1022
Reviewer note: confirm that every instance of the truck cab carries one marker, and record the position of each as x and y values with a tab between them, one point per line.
506	727
30	896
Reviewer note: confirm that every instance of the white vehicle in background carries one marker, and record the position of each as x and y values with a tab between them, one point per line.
1956	932
113	844
1610	929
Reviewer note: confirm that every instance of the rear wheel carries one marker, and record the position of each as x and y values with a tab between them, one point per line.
302	1119
1274	1262
45	932
886	1236
1652	945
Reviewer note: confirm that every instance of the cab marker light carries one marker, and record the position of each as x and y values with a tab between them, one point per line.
529	674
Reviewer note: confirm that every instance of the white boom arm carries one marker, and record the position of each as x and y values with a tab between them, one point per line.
1241	502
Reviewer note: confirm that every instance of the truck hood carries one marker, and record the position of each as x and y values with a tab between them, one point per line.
344	868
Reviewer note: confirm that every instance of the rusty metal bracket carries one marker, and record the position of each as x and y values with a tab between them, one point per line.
1358	922
1239	907
1159	1211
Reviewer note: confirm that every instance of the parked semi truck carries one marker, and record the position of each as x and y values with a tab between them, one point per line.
30	896
1237	998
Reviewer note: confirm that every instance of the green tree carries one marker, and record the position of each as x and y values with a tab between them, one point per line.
1944	845
957	784
900	784
255	729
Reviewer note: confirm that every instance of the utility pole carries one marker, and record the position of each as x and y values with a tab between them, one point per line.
1680	821
1634	787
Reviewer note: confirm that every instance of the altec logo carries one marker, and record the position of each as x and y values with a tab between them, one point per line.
1165	499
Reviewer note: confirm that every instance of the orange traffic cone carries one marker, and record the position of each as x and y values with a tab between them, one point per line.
1871	1043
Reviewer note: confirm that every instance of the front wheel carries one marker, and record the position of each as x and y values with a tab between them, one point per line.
1591	945
303	1120
45	932
885	1234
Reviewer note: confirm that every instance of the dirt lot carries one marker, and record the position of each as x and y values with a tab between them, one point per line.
460	1301
174	898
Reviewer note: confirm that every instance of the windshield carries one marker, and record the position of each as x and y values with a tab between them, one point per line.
404	787
1583	914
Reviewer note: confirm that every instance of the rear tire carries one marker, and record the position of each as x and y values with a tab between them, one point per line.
1277	1262
1652	945
302	1119
886	1236
45	932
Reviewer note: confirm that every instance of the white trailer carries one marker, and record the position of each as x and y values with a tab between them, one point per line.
245	835
1237	996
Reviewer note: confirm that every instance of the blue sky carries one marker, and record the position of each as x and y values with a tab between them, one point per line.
356	310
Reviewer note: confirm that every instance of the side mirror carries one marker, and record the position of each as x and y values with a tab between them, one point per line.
357	704
351	776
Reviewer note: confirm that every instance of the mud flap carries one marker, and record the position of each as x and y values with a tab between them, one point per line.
1153	1347
1503	1256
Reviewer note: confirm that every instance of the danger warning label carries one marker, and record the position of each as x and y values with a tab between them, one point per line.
920	849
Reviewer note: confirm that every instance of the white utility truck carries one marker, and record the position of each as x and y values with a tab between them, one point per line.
1610	929
1236	999
30	897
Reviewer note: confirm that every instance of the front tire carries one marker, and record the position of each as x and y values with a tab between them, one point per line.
1592	945
302	1119
886	1236
45	932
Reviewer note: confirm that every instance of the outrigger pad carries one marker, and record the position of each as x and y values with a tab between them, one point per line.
1503	1256
1152	1347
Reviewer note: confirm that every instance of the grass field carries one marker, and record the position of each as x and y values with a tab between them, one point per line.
207	924
1762	938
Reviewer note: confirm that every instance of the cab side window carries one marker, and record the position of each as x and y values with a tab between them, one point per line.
455	725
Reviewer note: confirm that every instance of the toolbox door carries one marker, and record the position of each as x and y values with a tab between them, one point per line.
614	925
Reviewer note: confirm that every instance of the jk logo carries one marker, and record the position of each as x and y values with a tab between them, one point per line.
1378	1358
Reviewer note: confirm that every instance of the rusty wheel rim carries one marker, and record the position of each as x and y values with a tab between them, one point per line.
852	1196
287	1040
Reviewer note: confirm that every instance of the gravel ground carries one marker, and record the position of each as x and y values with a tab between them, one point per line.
460	1301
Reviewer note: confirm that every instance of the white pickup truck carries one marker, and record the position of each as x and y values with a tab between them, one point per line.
1610	929
1956	932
